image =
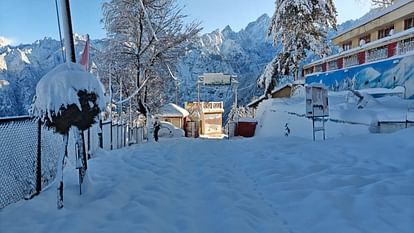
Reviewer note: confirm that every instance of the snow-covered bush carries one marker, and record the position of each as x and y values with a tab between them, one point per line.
68	96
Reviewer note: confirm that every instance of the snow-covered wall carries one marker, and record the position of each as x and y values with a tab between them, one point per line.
389	73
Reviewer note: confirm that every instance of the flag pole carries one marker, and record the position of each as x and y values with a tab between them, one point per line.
68	32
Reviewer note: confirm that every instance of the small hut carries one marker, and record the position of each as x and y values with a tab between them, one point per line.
284	91
174	114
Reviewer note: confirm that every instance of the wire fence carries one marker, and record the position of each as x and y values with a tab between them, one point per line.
29	153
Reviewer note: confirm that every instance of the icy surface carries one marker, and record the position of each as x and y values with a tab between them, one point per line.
60	87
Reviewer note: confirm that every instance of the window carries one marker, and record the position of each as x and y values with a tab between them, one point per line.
332	65
366	38
347	45
309	71
318	68
408	23
385	32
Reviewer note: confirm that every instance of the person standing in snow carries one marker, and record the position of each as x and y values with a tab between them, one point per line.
157	126
287	130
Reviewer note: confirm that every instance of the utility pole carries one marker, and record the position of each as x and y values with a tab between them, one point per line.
177	91
67	28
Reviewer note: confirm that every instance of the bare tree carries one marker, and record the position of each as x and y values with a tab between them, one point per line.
143	36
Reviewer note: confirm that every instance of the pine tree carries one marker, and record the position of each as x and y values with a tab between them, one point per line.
300	26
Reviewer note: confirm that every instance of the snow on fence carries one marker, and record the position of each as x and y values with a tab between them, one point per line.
28	158
29	152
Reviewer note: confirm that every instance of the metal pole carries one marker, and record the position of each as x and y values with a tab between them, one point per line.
39	158
67	28
176	92
100	133
110	107
89	143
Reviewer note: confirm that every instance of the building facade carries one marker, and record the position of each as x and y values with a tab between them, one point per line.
378	52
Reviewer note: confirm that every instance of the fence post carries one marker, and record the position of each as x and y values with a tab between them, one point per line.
39	157
89	144
111	135
100	134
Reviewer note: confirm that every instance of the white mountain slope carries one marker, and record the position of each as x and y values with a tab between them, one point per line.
244	53
241	53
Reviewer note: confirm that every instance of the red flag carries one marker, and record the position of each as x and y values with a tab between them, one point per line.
85	55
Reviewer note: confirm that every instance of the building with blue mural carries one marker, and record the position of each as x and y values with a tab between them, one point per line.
378	52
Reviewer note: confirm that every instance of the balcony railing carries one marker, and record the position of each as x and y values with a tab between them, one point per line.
406	46
206	106
351	61
377	54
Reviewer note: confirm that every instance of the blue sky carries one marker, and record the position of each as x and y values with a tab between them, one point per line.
24	21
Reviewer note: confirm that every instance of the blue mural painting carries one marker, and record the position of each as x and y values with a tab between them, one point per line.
398	71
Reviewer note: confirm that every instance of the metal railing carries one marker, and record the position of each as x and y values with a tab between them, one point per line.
406	46
377	54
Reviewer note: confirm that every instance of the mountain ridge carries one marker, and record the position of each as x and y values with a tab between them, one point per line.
244	53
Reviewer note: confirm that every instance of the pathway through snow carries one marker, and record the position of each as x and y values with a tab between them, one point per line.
251	185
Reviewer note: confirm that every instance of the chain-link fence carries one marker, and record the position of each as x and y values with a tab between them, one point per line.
29	152
28	158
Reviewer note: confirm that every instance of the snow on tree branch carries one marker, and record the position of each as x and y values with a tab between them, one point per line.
300	26
143	35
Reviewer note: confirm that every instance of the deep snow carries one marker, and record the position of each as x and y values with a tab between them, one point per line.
354	182
265	184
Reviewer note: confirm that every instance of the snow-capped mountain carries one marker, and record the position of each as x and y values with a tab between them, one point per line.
244	53
4	41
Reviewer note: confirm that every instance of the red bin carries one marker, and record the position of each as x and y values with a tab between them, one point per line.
246	128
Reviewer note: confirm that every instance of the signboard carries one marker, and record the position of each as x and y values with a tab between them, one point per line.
215	79
316	101
212	123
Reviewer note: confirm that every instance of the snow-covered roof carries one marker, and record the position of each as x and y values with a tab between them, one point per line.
263	97
60	87
377	15
281	87
173	110
256	101
248	120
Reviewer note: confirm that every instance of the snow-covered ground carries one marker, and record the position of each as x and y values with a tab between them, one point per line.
345	118
354	182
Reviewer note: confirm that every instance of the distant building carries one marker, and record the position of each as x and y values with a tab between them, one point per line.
209	115
174	114
284	91
378	52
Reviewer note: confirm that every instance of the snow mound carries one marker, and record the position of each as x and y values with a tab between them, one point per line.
169	130
59	88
